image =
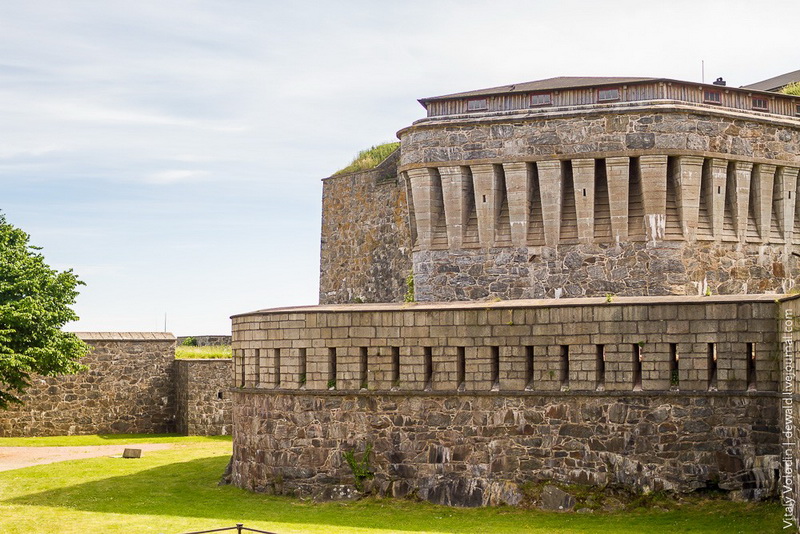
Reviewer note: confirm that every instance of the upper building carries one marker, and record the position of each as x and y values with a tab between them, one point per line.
577	186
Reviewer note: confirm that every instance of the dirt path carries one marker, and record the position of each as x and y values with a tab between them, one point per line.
18	457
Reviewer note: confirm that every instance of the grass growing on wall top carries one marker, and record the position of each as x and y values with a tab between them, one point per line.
174	491
186	352
369	158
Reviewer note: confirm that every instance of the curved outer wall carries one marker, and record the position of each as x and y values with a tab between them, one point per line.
638	199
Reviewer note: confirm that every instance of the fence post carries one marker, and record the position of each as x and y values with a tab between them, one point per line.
239	528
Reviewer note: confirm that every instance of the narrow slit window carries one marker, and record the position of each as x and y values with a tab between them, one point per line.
242	369
529	367
363	368
277	367
637	366
461	364
541	99
477	104
395	366
674	375
601	367
797	109
712	97
751	367
564	366
257	367
332	368
428	367
608	95
303	368
495	367
712	366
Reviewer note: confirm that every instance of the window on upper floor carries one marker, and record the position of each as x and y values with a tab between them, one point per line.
712	97
541	99
477	104
607	95
760	104
797	110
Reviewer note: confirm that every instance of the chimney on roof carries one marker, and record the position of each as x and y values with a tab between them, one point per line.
720	81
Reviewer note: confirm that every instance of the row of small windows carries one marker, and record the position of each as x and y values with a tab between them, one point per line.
710	96
637	358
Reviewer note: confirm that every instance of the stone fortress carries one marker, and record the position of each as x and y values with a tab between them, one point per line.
601	269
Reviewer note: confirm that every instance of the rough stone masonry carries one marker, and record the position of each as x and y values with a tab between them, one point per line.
600	266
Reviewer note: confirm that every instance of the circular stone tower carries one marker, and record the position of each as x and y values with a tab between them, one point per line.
574	187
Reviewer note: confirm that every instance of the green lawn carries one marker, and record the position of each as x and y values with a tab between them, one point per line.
107	439
175	491
184	352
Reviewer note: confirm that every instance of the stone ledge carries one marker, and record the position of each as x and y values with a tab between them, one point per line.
125	336
524	303
589	110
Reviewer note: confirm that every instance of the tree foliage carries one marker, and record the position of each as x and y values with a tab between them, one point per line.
35	304
792	89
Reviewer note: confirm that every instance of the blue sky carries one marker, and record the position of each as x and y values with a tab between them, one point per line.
171	152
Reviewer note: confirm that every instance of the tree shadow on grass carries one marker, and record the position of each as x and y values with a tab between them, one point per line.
189	489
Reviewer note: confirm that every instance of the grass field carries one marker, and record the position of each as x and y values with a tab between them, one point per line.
183	352
175	491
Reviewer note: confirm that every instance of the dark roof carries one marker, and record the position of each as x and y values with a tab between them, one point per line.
776	83
561	82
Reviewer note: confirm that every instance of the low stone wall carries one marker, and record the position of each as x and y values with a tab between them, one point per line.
465	402
203	397
133	385
127	389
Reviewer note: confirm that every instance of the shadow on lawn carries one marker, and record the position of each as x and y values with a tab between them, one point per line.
189	489
145	437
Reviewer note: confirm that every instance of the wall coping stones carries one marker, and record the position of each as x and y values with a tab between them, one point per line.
588	110
125	336
526	303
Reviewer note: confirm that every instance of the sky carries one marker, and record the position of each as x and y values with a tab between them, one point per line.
171	152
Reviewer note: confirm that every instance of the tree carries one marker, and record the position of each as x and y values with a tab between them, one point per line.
35	304
791	89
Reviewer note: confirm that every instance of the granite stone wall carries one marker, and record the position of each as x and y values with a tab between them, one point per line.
133	385
203	397
465	402
603	131
479	449
644	199
591	270
128	388
366	238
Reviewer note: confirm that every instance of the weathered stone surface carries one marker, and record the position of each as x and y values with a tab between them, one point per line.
128	388
366	240
203	399
554	498
485	459
633	269
133	385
